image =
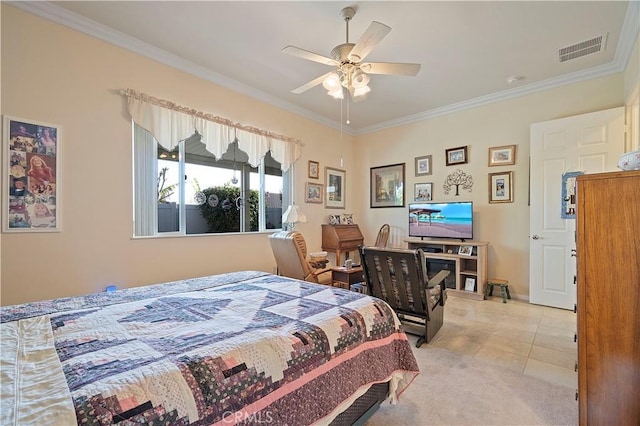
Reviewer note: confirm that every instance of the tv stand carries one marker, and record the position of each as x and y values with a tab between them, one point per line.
473	266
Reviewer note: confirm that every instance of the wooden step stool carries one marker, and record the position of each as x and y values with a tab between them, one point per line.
504	288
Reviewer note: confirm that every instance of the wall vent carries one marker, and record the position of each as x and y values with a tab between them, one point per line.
587	47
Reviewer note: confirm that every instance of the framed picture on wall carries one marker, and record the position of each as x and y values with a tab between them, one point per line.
423	191
501	187
456	156
335	184
31	176
387	186
423	166
314	169
314	193
502	155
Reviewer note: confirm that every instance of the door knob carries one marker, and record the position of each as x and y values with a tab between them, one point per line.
535	237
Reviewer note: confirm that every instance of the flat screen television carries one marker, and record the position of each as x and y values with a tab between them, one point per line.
441	220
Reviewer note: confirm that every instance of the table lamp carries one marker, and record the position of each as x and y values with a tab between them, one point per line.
292	216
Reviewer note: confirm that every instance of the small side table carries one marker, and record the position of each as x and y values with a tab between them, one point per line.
343	277
504	288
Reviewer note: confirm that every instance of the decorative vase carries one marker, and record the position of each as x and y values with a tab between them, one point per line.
334	219
629	161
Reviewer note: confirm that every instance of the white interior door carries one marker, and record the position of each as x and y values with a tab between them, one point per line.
588	143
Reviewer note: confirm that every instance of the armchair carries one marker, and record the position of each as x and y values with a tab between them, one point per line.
399	277
290	251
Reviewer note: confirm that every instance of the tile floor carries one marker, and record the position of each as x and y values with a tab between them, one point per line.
531	339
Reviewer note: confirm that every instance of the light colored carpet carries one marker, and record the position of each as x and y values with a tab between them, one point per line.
458	389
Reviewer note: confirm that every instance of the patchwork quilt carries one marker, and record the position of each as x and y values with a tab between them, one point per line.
237	348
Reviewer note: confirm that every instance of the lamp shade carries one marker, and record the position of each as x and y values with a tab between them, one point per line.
336	93
360	91
359	79
332	82
293	215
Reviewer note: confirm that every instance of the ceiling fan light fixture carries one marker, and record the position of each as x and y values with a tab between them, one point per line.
350	72
337	93
360	91
359	79
332	82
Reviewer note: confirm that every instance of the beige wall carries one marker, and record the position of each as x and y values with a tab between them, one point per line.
53	74
504	226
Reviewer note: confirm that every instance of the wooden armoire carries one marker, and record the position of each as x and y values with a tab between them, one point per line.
608	302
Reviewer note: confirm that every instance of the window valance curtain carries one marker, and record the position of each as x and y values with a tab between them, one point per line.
170	123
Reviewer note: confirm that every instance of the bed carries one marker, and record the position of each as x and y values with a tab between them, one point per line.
239	348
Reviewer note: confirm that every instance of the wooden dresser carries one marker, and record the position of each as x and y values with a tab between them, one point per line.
340	239
608	308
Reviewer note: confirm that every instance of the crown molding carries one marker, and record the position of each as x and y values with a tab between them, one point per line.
628	35
624	50
50	11
62	16
600	71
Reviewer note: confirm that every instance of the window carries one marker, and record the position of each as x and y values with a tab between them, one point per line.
189	191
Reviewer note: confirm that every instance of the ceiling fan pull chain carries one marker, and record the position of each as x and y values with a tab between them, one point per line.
341	162
348	121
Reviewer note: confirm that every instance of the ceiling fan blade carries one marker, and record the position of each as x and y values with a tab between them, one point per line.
310	84
368	40
391	68
305	54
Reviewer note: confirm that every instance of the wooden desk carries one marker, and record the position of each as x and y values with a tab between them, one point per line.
343	277
341	238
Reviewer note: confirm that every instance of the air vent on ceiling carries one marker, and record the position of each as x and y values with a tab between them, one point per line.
577	50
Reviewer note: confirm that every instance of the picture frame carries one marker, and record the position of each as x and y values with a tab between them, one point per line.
314	193
387	186
501	187
456	156
335	188
569	195
465	250
424	165
502	155
470	284
31	176
314	170
423	191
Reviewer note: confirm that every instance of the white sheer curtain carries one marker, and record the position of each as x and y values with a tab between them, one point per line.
170	123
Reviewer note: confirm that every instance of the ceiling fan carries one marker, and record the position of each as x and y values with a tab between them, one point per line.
351	72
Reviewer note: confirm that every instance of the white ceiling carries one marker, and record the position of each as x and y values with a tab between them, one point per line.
467	49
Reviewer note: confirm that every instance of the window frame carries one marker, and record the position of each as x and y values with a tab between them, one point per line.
152	173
